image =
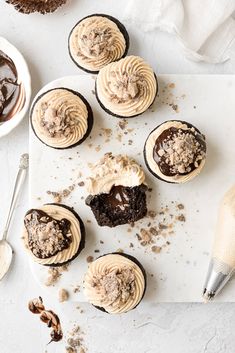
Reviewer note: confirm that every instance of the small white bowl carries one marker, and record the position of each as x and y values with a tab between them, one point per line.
24	77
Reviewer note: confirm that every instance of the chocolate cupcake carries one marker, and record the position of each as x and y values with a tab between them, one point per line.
117	191
61	118
126	88
54	234
115	283
175	151
96	41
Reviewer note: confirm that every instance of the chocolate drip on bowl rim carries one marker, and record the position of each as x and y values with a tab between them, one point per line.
12	96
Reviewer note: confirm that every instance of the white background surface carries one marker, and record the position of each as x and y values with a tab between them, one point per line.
181	328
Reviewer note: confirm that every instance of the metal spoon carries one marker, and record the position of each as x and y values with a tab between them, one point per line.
6	251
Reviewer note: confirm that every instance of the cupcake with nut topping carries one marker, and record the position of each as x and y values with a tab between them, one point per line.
61	118
175	151
117	191
115	283
97	40
126	88
54	234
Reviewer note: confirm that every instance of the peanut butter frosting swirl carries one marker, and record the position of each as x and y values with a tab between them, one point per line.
127	87
95	42
58	213
113	171
60	118
115	283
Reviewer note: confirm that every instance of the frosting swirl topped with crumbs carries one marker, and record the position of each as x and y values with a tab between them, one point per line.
113	171
115	283
175	151
60	118
52	234
128	87
95	42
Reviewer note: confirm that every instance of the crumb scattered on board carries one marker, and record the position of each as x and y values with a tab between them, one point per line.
167	97
155	231
54	274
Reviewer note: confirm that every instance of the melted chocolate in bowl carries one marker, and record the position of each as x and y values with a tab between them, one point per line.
162	143
11	92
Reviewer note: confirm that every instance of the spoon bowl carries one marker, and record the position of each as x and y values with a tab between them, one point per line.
6	254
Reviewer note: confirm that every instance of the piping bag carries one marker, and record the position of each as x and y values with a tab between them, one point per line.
222	263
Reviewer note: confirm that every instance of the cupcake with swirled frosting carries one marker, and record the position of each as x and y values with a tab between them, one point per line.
53	234
117	191
61	118
97	40
115	283
175	151
126	88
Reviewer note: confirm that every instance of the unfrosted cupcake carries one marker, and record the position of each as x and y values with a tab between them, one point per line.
61	118
126	88
54	234
115	283
117	191
175	151
96	41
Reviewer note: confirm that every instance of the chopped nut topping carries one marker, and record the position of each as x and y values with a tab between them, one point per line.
118	285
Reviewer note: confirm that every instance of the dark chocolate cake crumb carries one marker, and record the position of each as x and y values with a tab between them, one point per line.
109	211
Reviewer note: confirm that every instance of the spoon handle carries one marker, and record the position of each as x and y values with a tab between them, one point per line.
24	161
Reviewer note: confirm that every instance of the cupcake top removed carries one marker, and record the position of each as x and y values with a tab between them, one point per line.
96	41
114	283
53	234
126	88
175	151
112	171
61	118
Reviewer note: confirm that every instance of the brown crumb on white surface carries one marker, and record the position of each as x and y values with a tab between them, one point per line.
153	232
63	295
89	259
75	341
54	274
59	196
76	289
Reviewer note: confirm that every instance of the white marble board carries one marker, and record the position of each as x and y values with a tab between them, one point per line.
177	273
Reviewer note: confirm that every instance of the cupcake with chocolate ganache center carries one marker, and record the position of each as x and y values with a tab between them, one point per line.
54	234
117	191
115	283
126	88
61	118
175	151
97	40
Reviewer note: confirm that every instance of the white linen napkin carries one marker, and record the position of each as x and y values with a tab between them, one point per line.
205	28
